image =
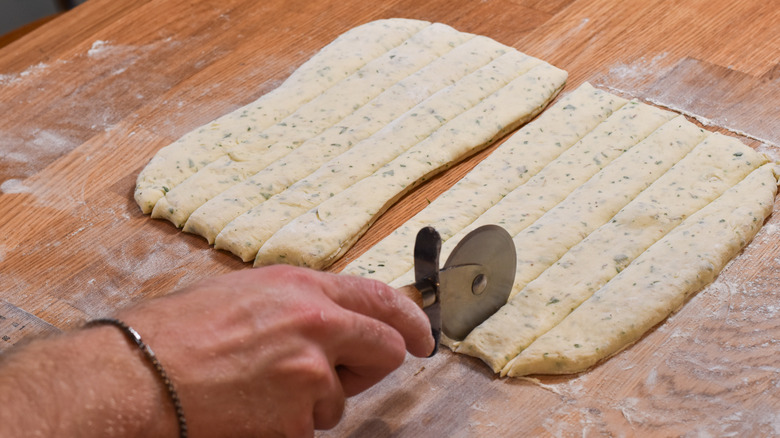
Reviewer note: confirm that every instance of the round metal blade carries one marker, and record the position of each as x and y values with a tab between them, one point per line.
476	279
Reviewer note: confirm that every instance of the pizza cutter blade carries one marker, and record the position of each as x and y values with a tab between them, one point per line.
473	284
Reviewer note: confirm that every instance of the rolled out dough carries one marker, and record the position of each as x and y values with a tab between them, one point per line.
344	56
381	109
614	229
655	284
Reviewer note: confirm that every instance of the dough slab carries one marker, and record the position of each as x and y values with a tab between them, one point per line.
381	109
617	216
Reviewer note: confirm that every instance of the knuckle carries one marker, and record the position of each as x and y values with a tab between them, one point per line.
316	321
379	296
293	274
315	371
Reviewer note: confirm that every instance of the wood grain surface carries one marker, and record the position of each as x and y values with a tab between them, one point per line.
89	97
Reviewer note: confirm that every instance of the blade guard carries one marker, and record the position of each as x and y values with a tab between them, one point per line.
427	247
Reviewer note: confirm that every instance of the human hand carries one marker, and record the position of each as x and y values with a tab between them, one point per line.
275	351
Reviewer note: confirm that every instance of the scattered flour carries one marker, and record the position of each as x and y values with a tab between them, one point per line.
10	78
99	48
555	389
723	123
25	151
652	377
125	55
767	232
51	141
14	185
638	71
771	150
632	410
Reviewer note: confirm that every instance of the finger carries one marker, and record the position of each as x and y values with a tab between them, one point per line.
368	350
357	380
301	427
329	407
306	392
380	301
328	411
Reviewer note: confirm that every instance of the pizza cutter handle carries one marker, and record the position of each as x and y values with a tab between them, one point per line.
412	292
423	293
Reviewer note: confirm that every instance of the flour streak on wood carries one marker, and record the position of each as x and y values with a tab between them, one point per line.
714	96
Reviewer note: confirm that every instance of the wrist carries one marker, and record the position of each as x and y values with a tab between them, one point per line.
152	362
134	395
91	382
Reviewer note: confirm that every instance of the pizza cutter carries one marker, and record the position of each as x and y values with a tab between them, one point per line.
471	286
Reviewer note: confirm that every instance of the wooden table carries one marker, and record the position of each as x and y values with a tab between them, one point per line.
88	98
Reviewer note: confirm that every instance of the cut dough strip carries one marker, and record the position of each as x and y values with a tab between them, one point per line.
339	59
519	158
247	233
250	154
210	218
700	177
359	88
595	202
657	283
592	204
323	234
547	190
